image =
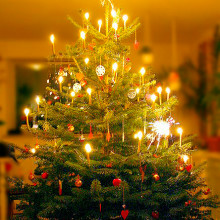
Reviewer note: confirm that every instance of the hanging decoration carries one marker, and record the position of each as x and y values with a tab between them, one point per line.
78	182
100	70
77	87
132	94
60	187
90	133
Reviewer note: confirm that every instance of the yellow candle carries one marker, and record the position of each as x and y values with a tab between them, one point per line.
60	79
38	102
168	93
26	112
100	24
72	95
89	91
86	60
142	71
153	98
159	90
52	38
180	131
83	36
139	135
87	18
88	150
137	91
115	26
125	18
114	68
113	13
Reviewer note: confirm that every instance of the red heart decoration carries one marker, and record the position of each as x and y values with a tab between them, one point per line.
188	167
116	182
124	213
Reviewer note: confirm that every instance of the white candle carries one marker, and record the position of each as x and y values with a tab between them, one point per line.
180	131
159	90
89	91
52	38
125	18
100	24
88	150
38	102
168	93
26	112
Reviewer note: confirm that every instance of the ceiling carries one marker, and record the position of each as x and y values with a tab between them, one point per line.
37	19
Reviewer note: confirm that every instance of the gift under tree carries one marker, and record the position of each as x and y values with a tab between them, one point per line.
112	149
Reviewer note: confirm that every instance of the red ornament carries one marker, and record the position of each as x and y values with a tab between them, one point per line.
186	204
108	136
44	175
155	214
116	182
26	149
136	45
72	174
91	46
78	182
124	213
156	156
80	95
90	134
156	176
60	187
188	167
207	192
101	77
31	176
109	165
83	82
127	59
49	102
70	127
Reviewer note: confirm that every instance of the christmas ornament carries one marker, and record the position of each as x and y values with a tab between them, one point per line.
44	175
76	87
109	165
49	102
70	127
124	213
156	177
78	182
46	126
132	94
100	70
155	215
60	187
83	82
81	138
207	192
188	167
127	67
31	176
156	156
26	149
136	45
90	134
79	76
116	182
142	171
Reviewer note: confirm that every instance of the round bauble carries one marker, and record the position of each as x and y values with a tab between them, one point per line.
78	183
155	215
77	87
100	70
116	182
44	175
70	127
132	94
156	176
46	126
31	176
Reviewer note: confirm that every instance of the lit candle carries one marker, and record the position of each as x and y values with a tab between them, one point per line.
139	135
86	60
142	71
125	18
33	150
89	91
185	158
153	98
60	79
159	90
180	131
100	24
52	38
83	36
87	19
26	112
115	26
114	68
38	102
88	150
72	95
137	91
113	13
168	93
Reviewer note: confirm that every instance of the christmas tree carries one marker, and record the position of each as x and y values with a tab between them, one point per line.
112	149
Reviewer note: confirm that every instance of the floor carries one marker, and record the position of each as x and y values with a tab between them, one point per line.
212	171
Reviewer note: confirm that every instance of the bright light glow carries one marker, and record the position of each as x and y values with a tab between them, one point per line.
180	131
138	135
87	15
37	100
113	13
115	66
89	91
60	79
115	26
26	111
73	94
153	97
125	18
83	35
52	38
33	150
137	90
159	90
185	158
87	60
168	90
142	71
162	128
100	22
88	148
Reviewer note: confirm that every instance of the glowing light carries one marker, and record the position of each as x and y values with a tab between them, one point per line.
168	90
185	158
37	100
125	18
115	66
162	128
52	38
159	90
115	26
87	15
138	135
87	60
113	13
153	97
142	71
89	91
33	150
83	35
26	111
100	22
137	90
88	148
180	131
60	79
73	94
